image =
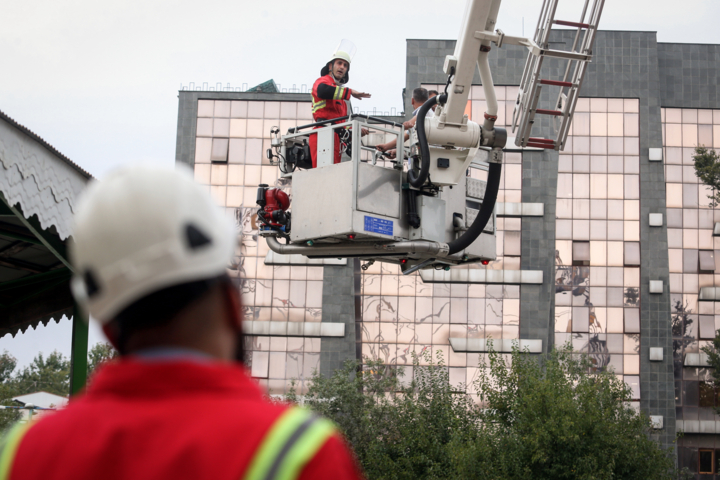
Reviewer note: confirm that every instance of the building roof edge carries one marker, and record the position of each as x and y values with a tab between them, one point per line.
45	144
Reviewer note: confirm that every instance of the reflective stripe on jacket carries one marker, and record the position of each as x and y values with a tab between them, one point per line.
329	105
166	420
9	448
291	443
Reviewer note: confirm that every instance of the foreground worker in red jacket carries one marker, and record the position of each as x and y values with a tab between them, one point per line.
329	94
150	257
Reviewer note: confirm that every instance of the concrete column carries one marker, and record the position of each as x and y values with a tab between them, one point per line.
341	290
537	302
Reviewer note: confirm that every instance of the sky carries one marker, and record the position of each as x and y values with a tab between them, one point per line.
99	80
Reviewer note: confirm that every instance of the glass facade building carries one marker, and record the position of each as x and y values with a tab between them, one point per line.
627	162
691	252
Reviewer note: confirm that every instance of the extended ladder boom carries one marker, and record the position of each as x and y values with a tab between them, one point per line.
533	80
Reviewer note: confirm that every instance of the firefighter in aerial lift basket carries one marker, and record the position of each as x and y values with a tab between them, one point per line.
329	96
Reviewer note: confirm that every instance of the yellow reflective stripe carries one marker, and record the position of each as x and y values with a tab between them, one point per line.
305	449
9	448
317	106
339	91
279	433
290	443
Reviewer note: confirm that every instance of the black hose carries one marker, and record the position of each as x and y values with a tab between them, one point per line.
412	215
491	190
483	216
419	181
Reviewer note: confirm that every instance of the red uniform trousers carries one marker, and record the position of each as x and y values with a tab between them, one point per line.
313	149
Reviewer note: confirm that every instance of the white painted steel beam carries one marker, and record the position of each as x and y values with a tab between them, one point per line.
481	275
277	259
696	360
709	293
508	209
462	344
698	426
294	329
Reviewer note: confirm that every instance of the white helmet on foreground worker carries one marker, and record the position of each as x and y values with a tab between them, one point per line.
143	229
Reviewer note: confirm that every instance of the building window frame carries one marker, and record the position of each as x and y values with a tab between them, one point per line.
700	461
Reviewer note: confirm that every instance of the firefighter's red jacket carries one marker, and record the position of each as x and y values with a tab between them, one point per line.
329	99
164	420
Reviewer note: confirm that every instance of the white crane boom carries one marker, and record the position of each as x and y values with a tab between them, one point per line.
428	212
480	15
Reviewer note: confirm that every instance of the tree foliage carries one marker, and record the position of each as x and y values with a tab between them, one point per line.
51	374
399	428
713	354
556	420
7	392
541	418
98	354
707	169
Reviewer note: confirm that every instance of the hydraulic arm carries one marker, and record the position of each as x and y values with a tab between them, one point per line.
451	128
427	212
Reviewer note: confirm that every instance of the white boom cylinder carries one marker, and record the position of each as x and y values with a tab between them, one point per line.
465	136
466	53
483	64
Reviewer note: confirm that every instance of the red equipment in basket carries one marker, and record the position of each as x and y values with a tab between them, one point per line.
273	202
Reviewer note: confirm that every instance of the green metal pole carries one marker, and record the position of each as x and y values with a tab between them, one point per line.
78	360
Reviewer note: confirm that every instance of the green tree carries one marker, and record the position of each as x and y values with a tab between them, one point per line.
99	353
554	419
707	169
399	428
713	354
547	418
51	374
7	390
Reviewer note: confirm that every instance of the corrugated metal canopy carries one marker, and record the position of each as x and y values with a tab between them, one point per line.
34	284
38	190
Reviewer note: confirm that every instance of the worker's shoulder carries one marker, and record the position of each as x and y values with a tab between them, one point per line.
186	419
326	79
126	396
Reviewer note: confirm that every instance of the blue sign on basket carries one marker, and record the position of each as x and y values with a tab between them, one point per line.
378	225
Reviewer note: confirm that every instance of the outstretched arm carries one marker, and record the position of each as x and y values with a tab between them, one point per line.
331	92
384	147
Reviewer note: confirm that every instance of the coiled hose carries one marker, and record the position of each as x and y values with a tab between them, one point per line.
491	191
483	216
419	180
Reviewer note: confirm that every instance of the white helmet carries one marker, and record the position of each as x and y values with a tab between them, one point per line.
345	50
143	229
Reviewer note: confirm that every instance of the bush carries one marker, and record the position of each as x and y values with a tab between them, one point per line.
557	420
546	417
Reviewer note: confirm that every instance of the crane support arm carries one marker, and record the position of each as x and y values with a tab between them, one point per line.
480	16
